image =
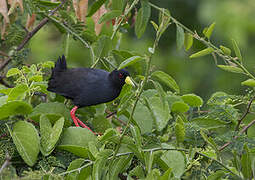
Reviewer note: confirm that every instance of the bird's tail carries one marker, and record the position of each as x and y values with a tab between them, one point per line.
60	65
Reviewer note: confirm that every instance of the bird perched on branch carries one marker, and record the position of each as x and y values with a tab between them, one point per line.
86	86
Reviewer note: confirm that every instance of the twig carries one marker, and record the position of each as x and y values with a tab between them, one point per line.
5	63
3	54
4	83
32	33
3	135
6	162
241	132
245	113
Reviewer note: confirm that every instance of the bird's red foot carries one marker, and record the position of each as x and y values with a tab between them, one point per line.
77	121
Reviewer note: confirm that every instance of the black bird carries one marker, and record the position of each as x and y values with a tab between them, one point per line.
86	86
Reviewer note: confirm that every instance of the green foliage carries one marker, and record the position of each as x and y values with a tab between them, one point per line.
151	131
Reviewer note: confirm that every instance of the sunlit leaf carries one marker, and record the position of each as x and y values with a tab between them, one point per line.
179	106
209	30
225	50
130	61
233	69
166	79
204	52
237	50
188	41
192	100
12	72
249	82
15	108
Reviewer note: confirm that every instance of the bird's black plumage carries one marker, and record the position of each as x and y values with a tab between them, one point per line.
86	86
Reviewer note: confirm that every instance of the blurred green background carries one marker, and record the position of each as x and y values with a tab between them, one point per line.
234	19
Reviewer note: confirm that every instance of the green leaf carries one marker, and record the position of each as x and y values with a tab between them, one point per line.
246	163
179	37
130	61
76	150
77	136
108	134
167	175
249	82
76	140
141	113
233	69
237	50
99	165
174	160
117	5
225	50
192	100
142	18
179	106
179	130
101	123
109	16
84	173
95	6
166	79
26	140
51	108
209	30
204	52
136	135
48	64
15	108
48	3
102	46
161	92
160	113
188	41
12	72
18	92
119	165
208	123
155	26
49	135
216	175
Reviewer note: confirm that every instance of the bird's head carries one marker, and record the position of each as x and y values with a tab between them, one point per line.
120	77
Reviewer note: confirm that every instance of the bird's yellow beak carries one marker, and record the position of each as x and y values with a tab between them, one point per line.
129	81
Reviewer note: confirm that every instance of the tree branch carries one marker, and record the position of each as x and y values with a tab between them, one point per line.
32	33
242	131
245	113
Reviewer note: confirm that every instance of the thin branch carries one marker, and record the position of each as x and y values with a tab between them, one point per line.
235	137
3	54
245	113
4	83
6	162
5	63
38	27
32	33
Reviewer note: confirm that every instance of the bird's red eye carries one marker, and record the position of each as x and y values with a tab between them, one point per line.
120	75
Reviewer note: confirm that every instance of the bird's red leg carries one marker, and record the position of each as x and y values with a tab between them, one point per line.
84	126
72	112
76	120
